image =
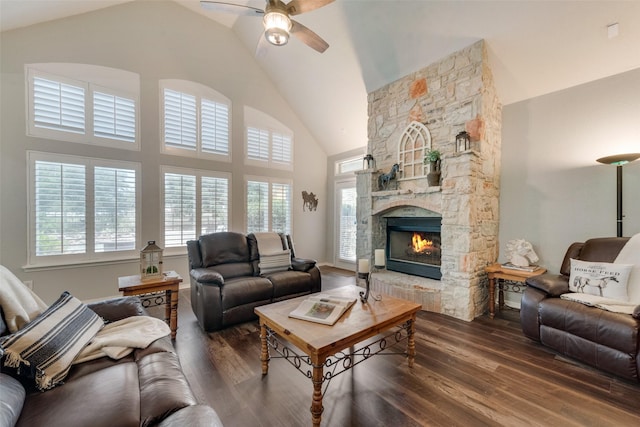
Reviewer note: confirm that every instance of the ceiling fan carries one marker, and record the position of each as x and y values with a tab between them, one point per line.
277	22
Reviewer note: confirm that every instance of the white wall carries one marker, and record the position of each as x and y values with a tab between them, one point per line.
157	40
553	192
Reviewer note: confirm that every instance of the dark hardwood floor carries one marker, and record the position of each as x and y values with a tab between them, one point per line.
478	373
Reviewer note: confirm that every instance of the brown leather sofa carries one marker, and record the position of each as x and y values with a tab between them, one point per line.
146	388
226	284
603	339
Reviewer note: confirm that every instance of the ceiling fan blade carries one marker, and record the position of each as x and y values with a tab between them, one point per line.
308	37
262	47
296	7
236	9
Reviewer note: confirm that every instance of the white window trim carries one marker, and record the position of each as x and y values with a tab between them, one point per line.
340	162
198	173
257	119
35	262
269	180
199	91
90	78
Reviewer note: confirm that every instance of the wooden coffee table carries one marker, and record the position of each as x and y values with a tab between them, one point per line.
311	347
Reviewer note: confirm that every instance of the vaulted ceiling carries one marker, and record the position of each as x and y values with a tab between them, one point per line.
535	47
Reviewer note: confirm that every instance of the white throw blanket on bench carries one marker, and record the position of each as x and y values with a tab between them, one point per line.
272	255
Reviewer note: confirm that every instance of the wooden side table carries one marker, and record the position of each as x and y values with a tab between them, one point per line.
169	283
497	271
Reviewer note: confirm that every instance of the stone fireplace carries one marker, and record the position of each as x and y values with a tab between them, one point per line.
452	95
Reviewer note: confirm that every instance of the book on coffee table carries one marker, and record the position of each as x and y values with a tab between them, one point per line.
322	308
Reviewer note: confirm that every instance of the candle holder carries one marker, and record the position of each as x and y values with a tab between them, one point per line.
364	295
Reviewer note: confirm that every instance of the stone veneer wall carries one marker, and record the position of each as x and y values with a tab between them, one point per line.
454	94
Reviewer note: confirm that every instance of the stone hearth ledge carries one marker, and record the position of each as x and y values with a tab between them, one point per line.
420	290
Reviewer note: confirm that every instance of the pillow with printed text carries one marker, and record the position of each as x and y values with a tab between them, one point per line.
603	279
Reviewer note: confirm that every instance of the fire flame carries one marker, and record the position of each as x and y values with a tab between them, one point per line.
420	244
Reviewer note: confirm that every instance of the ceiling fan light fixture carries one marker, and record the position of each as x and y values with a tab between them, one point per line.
277	26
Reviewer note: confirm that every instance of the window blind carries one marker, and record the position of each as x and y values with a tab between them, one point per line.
348	222
215	204
60	205
257	206
179	209
115	209
281	208
257	144
114	117
280	148
215	127
58	106
180	119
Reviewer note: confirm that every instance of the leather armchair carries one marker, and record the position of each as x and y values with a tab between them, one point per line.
606	340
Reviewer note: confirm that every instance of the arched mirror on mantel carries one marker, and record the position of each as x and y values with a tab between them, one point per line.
415	141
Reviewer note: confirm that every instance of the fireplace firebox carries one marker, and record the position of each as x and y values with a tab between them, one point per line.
414	246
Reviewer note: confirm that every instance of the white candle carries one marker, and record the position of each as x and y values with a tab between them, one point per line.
363	265
379	258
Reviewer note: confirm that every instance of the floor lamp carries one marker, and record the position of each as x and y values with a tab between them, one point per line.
619	160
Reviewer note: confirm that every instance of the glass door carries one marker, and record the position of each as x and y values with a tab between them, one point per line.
345	239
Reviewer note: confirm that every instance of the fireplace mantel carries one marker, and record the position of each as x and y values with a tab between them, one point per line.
378	202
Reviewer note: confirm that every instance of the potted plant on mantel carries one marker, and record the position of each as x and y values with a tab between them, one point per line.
433	158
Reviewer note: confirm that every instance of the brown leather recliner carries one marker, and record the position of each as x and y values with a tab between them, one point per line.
145	388
226	284
600	338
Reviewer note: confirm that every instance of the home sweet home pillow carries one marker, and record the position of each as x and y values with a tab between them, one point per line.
603	279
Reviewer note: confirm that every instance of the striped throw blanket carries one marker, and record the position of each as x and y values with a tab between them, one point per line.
46	346
273	256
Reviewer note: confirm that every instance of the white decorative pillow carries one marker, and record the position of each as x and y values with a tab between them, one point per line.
603	279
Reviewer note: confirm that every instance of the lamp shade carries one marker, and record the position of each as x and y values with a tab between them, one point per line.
619	159
277	26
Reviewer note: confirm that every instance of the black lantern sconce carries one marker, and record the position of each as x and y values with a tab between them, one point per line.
368	162
463	142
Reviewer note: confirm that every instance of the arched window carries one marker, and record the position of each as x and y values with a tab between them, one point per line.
414	143
269	143
196	120
84	103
